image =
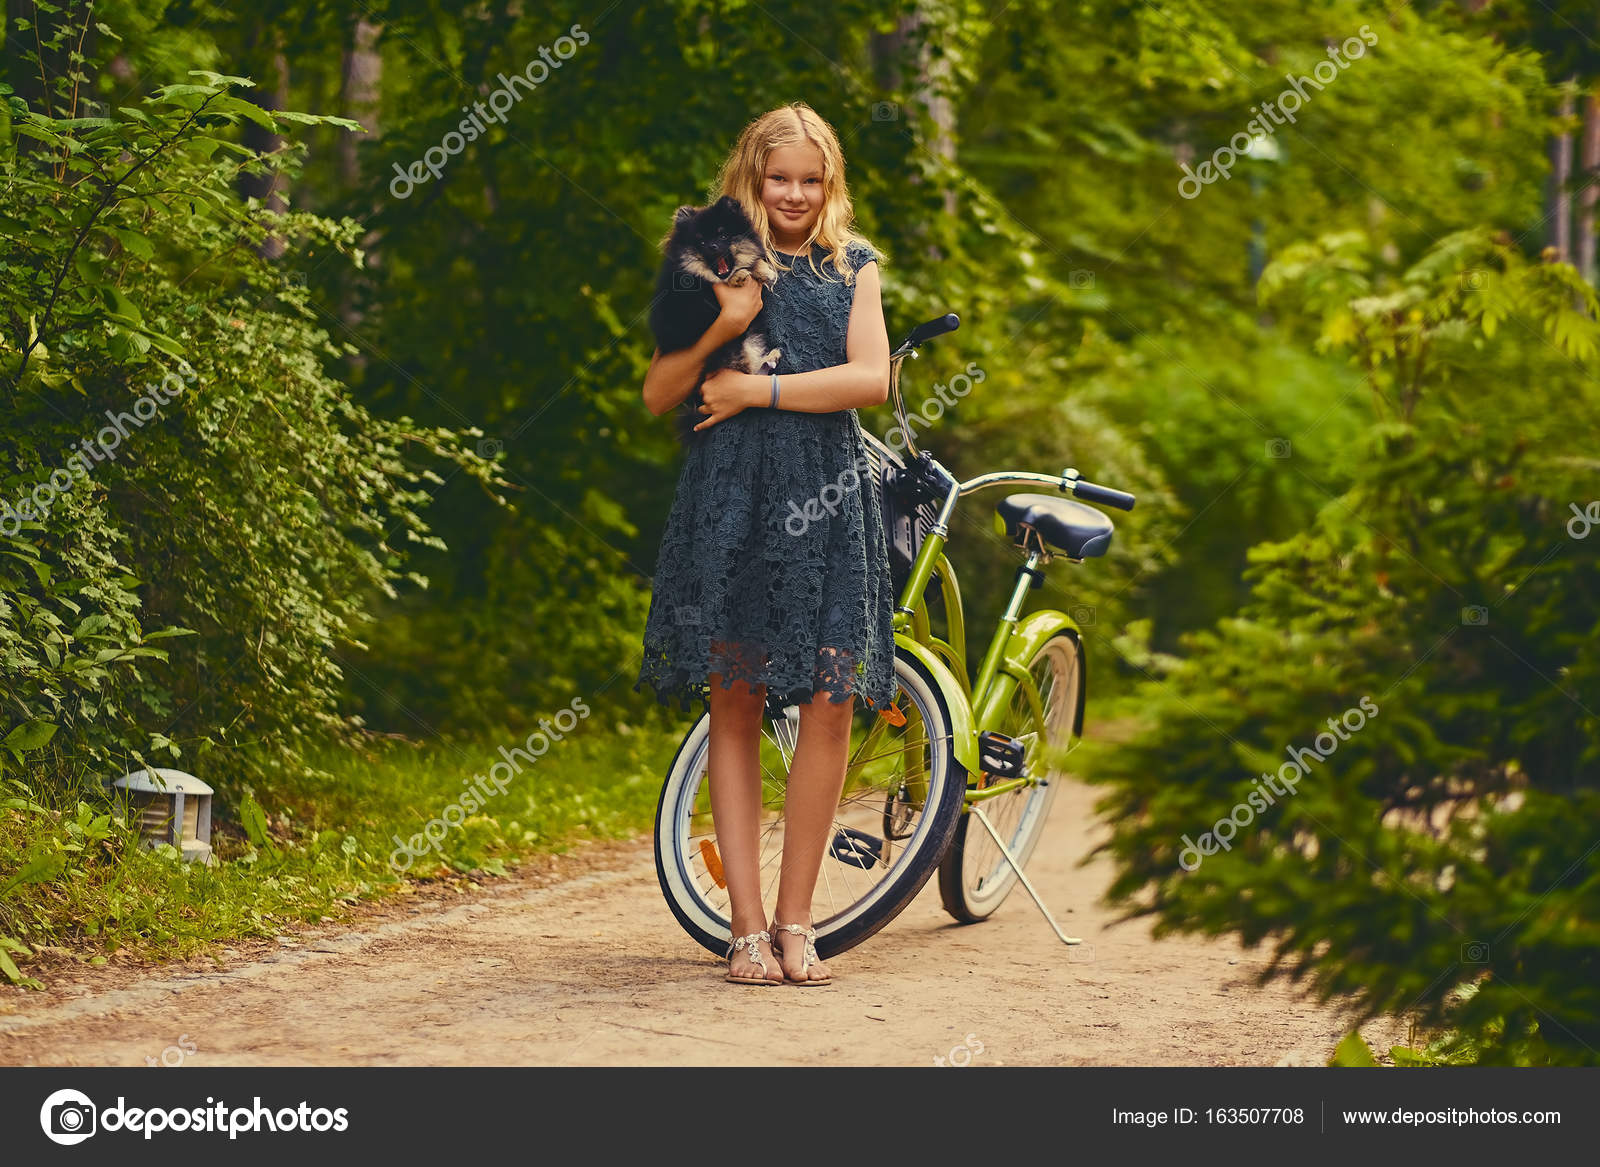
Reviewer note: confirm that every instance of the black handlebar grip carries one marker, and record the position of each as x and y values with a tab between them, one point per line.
949	322
1103	495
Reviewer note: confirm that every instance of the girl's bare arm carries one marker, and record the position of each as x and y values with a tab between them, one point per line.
672	377
863	379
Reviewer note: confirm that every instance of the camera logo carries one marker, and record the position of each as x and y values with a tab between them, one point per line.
67	1117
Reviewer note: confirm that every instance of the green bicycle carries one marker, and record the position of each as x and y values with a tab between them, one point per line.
955	774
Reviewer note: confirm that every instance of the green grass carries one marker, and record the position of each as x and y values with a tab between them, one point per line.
73	877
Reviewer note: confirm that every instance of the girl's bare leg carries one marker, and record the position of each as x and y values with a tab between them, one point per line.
816	779
734	760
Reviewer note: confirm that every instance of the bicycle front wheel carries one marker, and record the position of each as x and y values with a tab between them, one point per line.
901	802
975	878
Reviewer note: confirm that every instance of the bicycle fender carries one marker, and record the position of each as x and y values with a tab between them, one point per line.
1031	634
955	698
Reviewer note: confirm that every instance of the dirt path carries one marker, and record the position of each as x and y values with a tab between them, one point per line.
593	970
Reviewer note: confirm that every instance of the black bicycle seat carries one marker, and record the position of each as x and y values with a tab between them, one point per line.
1078	531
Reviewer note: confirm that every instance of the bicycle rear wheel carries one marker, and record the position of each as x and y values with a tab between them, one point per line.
975	878
901	802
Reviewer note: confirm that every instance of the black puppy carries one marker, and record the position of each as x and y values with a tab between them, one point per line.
708	245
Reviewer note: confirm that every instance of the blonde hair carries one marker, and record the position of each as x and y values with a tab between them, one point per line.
745	169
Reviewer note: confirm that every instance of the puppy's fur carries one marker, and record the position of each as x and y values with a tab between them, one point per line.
710	245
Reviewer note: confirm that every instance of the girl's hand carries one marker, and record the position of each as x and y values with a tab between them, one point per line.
739	307
725	393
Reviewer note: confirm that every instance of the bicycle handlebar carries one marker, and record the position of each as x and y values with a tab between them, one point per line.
1068	482
1094	492
922	333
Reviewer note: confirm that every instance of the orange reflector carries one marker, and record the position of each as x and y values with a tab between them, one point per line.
708	852
893	716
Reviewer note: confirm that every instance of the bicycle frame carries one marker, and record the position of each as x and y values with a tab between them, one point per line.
983	699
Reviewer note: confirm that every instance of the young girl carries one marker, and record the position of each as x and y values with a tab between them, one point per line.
751	601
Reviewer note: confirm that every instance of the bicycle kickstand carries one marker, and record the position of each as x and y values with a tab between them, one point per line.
977	812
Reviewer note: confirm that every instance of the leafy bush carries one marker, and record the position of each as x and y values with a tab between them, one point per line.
560	616
1448	845
254	507
76	884
1252	436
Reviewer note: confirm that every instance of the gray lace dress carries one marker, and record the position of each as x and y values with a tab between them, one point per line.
773	567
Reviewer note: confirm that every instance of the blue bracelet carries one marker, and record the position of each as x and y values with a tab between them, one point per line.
774	402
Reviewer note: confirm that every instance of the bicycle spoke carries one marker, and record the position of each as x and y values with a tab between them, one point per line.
767	889
783	739
1017	816
828	883
871	734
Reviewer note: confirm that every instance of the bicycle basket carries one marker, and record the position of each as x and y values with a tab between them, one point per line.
904	525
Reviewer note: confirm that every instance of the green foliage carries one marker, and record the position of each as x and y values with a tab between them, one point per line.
519	650
1115	94
80	886
1453	1047
232	584
1252	436
1446	844
514	291
1352	1051
174	457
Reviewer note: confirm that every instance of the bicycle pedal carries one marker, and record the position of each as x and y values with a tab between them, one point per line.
999	755
857	848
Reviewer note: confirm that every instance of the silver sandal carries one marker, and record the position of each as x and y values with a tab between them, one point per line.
808	958
755	958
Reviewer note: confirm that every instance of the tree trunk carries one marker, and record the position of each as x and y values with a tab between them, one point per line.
931	90
1589	169
361	85
360	96
1558	213
271	187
